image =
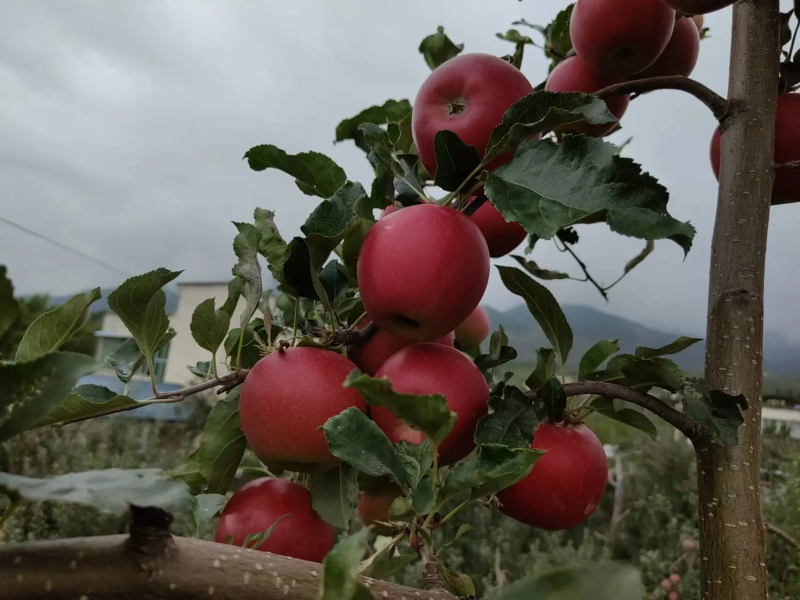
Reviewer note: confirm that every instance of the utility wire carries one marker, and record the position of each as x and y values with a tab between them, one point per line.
64	247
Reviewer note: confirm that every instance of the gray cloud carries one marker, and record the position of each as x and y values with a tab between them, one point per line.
122	127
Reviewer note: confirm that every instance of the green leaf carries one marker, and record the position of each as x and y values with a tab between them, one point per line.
515	37
543	111
634	418
359	442
489	469
209	327
534	269
108	490
189	471
205	510
384	567
245	246
383	157
639	258
549	186
126	360
559	42
271	245
543	306
331	218
141	304
511	422
202	369
424	496
679	345
458	583
235	286
340	570
87	401
314	173
30	391
455	160
428	414
503	355
334	279
596	356
392	111
351	246
438	48
222	445
461	532
599	581
545	368
51	329
644	373
418	459
554	399
255	540
334	494
719	414
9	307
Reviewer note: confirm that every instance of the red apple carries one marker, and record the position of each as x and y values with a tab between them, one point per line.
620	37
573	75
467	95
786	188
698	7
436	369
370	355
680	55
422	270
394	206
257	505
566	483
501	236
286	397
474	329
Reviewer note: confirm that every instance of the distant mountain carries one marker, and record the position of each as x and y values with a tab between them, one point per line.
590	325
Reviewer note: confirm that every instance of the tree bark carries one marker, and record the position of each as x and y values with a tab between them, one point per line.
731	525
120	567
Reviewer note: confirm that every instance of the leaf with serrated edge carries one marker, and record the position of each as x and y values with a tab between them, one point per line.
679	345
51	329
271	245
489	469
126	360
418	459
31	390
543	111
315	174
339	577
334	494
545	368
511	422
88	401
543	306
455	160
719	414
222	445
598	581
209	327
634	418
438	48
645	373
549	186
108	490
245	246
391	111
9	307
429	414
358	441
141	305
596	356
234	292
554	399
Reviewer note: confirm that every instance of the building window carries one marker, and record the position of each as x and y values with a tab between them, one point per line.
106	345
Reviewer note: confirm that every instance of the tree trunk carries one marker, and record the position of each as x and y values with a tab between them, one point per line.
731	525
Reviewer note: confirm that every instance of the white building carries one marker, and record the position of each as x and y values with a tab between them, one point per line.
171	361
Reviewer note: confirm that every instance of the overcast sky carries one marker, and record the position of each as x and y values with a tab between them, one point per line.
123	125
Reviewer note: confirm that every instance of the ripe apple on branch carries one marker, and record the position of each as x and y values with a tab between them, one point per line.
350	389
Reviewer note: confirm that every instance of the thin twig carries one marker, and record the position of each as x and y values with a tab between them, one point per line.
473	206
183	393
781	534
795	164
585	270
719	106
612	390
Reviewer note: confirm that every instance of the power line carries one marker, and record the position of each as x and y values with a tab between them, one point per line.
64	247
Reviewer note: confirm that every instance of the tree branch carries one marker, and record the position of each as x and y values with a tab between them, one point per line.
795	164
431	570
719	106
227	381
781	534
612	390
120	568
